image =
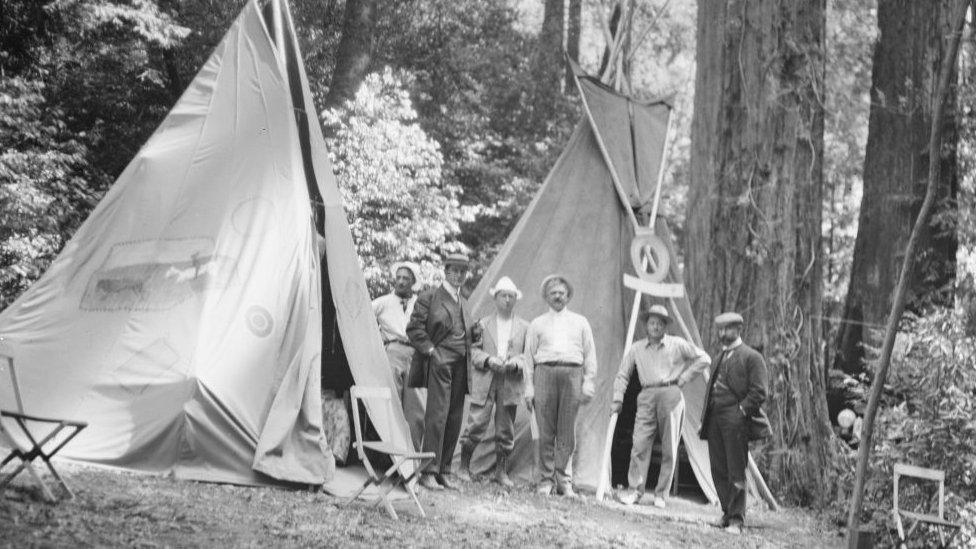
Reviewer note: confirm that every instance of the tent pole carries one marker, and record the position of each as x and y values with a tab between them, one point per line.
279	30
668	139
761	484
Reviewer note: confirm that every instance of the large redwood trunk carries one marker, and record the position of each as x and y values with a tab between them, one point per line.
753	238
913	37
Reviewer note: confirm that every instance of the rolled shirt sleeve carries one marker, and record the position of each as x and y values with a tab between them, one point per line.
620	382
589	360
696	358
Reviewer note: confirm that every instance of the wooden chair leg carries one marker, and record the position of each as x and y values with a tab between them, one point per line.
40	482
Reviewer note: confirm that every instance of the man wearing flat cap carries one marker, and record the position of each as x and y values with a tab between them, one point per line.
392	312
562	356
736	390
438	332
497	379
664	363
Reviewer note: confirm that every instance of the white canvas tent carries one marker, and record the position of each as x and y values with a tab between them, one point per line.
183	319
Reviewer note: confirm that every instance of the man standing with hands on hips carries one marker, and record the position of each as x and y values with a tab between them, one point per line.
736	391
438	331
562	356
664	364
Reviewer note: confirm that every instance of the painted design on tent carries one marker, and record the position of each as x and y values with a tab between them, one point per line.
156	275
259	320
153	364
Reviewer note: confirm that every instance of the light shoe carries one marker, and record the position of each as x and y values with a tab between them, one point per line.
428	481
631	497
659	502
734	529
544	489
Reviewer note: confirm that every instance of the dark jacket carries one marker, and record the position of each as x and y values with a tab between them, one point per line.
430	324
746	379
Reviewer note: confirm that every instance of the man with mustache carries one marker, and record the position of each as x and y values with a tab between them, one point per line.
664	363
392	312
562	359
438	331
736	390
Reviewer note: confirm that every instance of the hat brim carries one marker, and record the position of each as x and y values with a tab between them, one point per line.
518	293
648	315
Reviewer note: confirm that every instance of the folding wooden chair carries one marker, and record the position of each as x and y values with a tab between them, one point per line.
44	447
399	455
939	521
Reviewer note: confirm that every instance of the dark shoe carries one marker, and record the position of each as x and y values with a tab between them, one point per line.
445	481
566	489
464	471
428	481
501	472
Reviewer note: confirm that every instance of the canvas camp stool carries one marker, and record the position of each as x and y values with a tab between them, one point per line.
45	447
939	521
399	455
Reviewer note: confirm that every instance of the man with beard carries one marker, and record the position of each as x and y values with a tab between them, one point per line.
497	374
562	356
664	363
438	332
736	390
392	312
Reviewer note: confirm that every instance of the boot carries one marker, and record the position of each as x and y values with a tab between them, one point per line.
464	471
501	472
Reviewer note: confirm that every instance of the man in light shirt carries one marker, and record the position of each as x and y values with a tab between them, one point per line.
664	363
562	356
392	312
438	332
497	379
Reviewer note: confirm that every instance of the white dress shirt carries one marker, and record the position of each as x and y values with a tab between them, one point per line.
391	316
566	337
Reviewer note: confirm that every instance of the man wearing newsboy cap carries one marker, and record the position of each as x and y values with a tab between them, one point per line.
497	379
736	390
438	331
664	363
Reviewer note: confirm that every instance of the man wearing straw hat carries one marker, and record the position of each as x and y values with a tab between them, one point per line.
562	356
664	363
392	312
438	331
496	377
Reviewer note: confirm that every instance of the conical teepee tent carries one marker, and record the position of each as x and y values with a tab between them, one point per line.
183	319
581	224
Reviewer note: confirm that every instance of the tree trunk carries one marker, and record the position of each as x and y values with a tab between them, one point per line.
354	52
911	45
573	22
549	61
753	240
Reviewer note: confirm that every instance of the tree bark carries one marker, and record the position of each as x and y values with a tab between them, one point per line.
354	53
912	43
573	22
753	240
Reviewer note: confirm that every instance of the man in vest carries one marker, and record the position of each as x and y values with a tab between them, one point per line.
438	332
497	379
392	312
736	390
664	363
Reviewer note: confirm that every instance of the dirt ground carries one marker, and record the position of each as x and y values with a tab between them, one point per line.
121	509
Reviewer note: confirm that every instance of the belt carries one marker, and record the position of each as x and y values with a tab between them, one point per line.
673	382
400	341
557	363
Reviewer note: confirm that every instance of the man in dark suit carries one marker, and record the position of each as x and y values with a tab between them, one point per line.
438	331
497	379
736	390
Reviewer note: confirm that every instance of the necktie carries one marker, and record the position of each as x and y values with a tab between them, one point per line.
404	301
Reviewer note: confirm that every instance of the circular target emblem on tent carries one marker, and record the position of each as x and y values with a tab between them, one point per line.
258	320
250	210
647	246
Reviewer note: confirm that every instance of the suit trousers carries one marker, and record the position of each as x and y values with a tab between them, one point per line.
400	355
557	400
480	413
659	412
728	450
447	382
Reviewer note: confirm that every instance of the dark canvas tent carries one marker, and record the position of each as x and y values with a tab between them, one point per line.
183	319
581	224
